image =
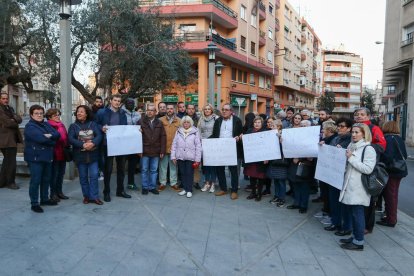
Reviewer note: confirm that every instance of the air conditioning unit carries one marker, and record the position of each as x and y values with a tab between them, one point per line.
302	81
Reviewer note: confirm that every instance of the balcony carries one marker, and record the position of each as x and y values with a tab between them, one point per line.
303	39
343	58
303	72
277	4
315	50
345	90
342	69
277	25
262	60
343	79
314	64
347	100
262	38
205	36
343	110
262	11
409	40
303	56
213	10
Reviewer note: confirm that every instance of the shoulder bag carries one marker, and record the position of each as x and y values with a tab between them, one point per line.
374	182
397	165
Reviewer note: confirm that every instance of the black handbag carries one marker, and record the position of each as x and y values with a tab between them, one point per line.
304	170
374	182
398	166
68	153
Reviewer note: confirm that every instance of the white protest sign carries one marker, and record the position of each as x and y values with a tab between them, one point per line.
261	146
300	142
331	165
123	140
219	152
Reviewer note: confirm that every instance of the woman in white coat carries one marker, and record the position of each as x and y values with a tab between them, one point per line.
353	193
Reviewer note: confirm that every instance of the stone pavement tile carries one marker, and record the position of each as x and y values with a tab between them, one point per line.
222	256
401	235
385	245
294	250
375	272
337	264
195	246
266	264
296	269
250	251
368	259
404	266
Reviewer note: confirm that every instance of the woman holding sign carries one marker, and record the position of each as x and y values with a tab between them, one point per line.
186	153
353	193
257	170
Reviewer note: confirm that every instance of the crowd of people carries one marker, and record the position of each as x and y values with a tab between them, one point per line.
172	156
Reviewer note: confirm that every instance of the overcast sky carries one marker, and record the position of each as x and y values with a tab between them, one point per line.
356	24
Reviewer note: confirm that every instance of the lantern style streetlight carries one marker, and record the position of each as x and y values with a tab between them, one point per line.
219	68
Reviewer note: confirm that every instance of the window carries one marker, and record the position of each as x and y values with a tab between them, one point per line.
253	20
269	57
270	33
252	48
244	77
243	12
240	76
242	43
252	82
268	83
270	8
233	74
261	82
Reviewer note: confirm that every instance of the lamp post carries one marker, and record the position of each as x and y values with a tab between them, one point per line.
65	64
212	49
219	68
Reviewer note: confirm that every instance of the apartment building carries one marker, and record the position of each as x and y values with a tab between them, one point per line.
298	82
244	33
342	75
398	76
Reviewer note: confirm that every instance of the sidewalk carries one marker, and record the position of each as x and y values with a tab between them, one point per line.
172	235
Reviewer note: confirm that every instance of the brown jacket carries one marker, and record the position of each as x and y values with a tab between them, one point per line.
170	130
153	139
9	128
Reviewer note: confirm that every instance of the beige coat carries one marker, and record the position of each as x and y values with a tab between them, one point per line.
353	192
9	129
170	130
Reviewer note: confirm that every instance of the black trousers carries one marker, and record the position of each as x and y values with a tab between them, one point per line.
370	215
120	174
221	175
8	168
187	174
133	160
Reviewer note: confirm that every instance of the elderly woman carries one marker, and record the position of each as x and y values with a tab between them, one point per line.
395	151
40	139
59	162
353	193
186	153
85	137
257	170
205	127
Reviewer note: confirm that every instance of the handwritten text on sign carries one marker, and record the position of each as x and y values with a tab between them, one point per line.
261	146
331	165
219	152
123	140
300	142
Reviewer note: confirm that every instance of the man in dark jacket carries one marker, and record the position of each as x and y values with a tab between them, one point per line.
153	146
228	126
113	115
9	137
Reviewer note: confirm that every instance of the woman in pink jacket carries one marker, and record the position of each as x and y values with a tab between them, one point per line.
59	162
186	152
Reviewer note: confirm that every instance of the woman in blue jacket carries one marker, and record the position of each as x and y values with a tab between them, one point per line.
85	136
40	139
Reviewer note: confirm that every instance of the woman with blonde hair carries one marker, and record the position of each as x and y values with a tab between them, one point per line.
361	160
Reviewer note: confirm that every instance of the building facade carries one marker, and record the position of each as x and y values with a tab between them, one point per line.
342	75
398	78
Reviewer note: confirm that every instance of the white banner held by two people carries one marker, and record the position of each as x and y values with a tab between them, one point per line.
219	152
331	165
123	140
261	146
300	142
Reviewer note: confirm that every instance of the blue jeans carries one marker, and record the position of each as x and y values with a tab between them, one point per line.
280	188
302	191
58	172
149	173
88	178
358	222
187	174
40	176
222	178
209	173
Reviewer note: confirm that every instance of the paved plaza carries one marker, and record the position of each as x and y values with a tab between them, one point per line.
171	235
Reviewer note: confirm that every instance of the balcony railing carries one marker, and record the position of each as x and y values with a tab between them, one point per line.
262	6
262	34
345	89
343	110
347	100
342	69
277	4
408	41
277	25
205	36
262	60
220	6
303	39
343	79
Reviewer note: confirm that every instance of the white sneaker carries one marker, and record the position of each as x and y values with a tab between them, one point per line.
212	188
205	188
182	193
319	214
326	221
189	194
101	176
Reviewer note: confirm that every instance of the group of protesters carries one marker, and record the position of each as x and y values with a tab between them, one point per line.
172	155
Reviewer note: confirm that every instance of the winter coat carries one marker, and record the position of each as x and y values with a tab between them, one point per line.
153	138
205	126
170	130
237	130
392	152
377	135
186	147
292	169
132	116
58	154
342	140
9	128
104	116
353	192
39	148
80	155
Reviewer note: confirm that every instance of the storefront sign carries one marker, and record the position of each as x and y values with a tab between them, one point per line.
170	98
191	99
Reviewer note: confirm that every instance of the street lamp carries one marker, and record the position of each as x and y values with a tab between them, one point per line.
65	64
219	68
211	49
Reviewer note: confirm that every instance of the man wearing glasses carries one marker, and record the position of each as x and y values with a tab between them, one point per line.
9	137
154	143
228	126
